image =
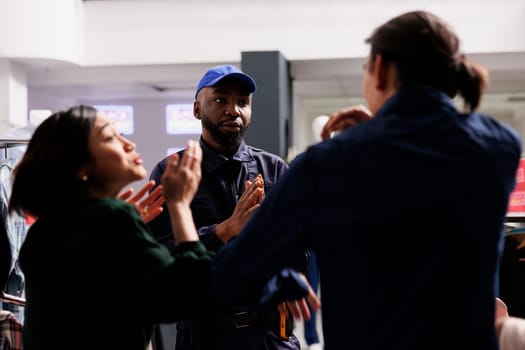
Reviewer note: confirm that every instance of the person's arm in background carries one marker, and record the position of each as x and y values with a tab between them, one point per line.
161	225
509	330
252	268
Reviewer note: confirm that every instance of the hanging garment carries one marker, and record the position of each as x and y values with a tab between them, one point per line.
10	331
16	232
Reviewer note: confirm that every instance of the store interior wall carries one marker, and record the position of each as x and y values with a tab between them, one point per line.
153	143
148	53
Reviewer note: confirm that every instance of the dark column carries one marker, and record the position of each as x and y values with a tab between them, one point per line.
271	106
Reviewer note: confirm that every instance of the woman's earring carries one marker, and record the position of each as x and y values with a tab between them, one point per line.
84	178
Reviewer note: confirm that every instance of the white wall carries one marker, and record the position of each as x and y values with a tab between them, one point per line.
146	32
94	33
42	30
41	100
13	90
112	32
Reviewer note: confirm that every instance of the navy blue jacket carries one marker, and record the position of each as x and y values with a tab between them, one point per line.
221	186
405	213
219	189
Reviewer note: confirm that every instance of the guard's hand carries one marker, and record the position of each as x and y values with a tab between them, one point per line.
245	207
249	183
344	119
150	206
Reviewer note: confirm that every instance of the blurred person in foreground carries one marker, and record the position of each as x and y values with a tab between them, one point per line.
404	209
95	277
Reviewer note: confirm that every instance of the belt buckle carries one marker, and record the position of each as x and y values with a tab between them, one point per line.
242	320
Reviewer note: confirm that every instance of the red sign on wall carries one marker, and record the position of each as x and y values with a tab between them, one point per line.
517	197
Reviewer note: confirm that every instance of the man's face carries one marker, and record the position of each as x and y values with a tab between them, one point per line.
225	111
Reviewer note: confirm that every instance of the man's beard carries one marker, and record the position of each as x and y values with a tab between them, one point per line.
224	139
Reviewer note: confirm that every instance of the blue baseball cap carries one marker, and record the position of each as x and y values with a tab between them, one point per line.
217	73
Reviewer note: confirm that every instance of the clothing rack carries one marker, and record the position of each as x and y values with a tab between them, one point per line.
12	299
8	143
515	219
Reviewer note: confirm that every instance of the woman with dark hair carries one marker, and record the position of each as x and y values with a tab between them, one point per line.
404	211
95	277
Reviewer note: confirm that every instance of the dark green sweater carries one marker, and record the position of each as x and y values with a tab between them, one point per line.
97	279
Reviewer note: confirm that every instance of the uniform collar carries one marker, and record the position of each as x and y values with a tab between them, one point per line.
211	159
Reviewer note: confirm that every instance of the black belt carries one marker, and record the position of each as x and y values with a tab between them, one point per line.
244	319
238	320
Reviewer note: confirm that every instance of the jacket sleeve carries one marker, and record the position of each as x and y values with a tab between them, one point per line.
255	267
159	286
209	237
